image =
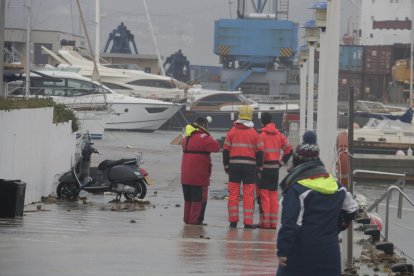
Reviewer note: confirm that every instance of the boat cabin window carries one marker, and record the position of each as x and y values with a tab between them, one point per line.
115	86
64	87
220	99
124	66
152	83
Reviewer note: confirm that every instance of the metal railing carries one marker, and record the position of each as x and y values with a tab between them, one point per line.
387	196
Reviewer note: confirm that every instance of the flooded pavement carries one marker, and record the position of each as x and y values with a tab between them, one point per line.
95	237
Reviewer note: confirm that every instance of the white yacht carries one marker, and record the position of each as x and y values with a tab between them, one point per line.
222	106
125	80
384	137
80	93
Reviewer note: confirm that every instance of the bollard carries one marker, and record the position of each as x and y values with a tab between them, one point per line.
387	247
403	268
370	226
364	220
374	233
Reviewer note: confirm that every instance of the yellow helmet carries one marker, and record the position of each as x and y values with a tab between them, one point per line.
245	112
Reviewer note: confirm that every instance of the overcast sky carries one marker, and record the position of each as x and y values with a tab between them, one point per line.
178	24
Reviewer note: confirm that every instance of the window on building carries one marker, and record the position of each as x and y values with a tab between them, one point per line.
371	35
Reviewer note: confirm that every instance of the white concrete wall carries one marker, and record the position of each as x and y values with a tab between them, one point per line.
381	10
34	150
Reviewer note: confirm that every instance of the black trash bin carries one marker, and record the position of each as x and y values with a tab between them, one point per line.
12	194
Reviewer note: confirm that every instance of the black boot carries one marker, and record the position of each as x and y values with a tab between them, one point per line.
249	226
233	225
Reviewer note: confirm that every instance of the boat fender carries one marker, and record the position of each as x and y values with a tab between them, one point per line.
342	161
375	219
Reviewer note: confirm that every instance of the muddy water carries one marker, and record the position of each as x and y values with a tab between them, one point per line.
100	238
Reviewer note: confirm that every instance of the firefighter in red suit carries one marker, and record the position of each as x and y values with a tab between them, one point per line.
275	143
196	167
242	160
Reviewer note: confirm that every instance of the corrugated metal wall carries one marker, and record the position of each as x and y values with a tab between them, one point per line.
378	60
351	58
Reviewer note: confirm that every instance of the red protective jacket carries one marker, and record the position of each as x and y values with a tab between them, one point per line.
274	143
243	145
196	163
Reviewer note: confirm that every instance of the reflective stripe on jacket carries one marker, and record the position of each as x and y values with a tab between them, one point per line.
243	145
274	143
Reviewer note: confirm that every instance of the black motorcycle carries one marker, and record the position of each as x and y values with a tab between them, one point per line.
123	176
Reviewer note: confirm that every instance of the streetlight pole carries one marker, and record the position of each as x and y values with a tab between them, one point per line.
411	54
2	25
303	81
28	47
311	87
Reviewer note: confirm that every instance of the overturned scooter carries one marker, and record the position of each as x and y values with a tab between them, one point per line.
123	176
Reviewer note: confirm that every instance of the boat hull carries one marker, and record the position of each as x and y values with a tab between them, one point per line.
126	113
93	122
368	147
145	117
382	163
221	120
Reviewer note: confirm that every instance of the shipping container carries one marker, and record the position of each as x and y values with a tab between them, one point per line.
401	51
376	87
378	60
351	58
346	80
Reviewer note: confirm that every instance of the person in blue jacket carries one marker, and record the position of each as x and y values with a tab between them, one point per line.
315	208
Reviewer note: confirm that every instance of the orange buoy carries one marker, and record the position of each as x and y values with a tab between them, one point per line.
375	219
342	163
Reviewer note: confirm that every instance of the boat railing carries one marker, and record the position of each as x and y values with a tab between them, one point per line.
387	196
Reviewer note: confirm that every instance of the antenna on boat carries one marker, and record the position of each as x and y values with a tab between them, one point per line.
97	28
95	74
153	38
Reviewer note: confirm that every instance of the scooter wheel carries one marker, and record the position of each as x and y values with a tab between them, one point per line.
141	190
67	190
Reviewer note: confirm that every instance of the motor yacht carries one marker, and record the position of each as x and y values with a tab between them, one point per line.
126	80
81	94
384	137
223	107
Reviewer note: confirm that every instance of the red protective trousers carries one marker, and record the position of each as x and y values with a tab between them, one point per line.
195	198
269	198
270	208
248	202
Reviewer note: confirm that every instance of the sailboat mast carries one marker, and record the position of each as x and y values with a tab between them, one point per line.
153	38
97	28
411	54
